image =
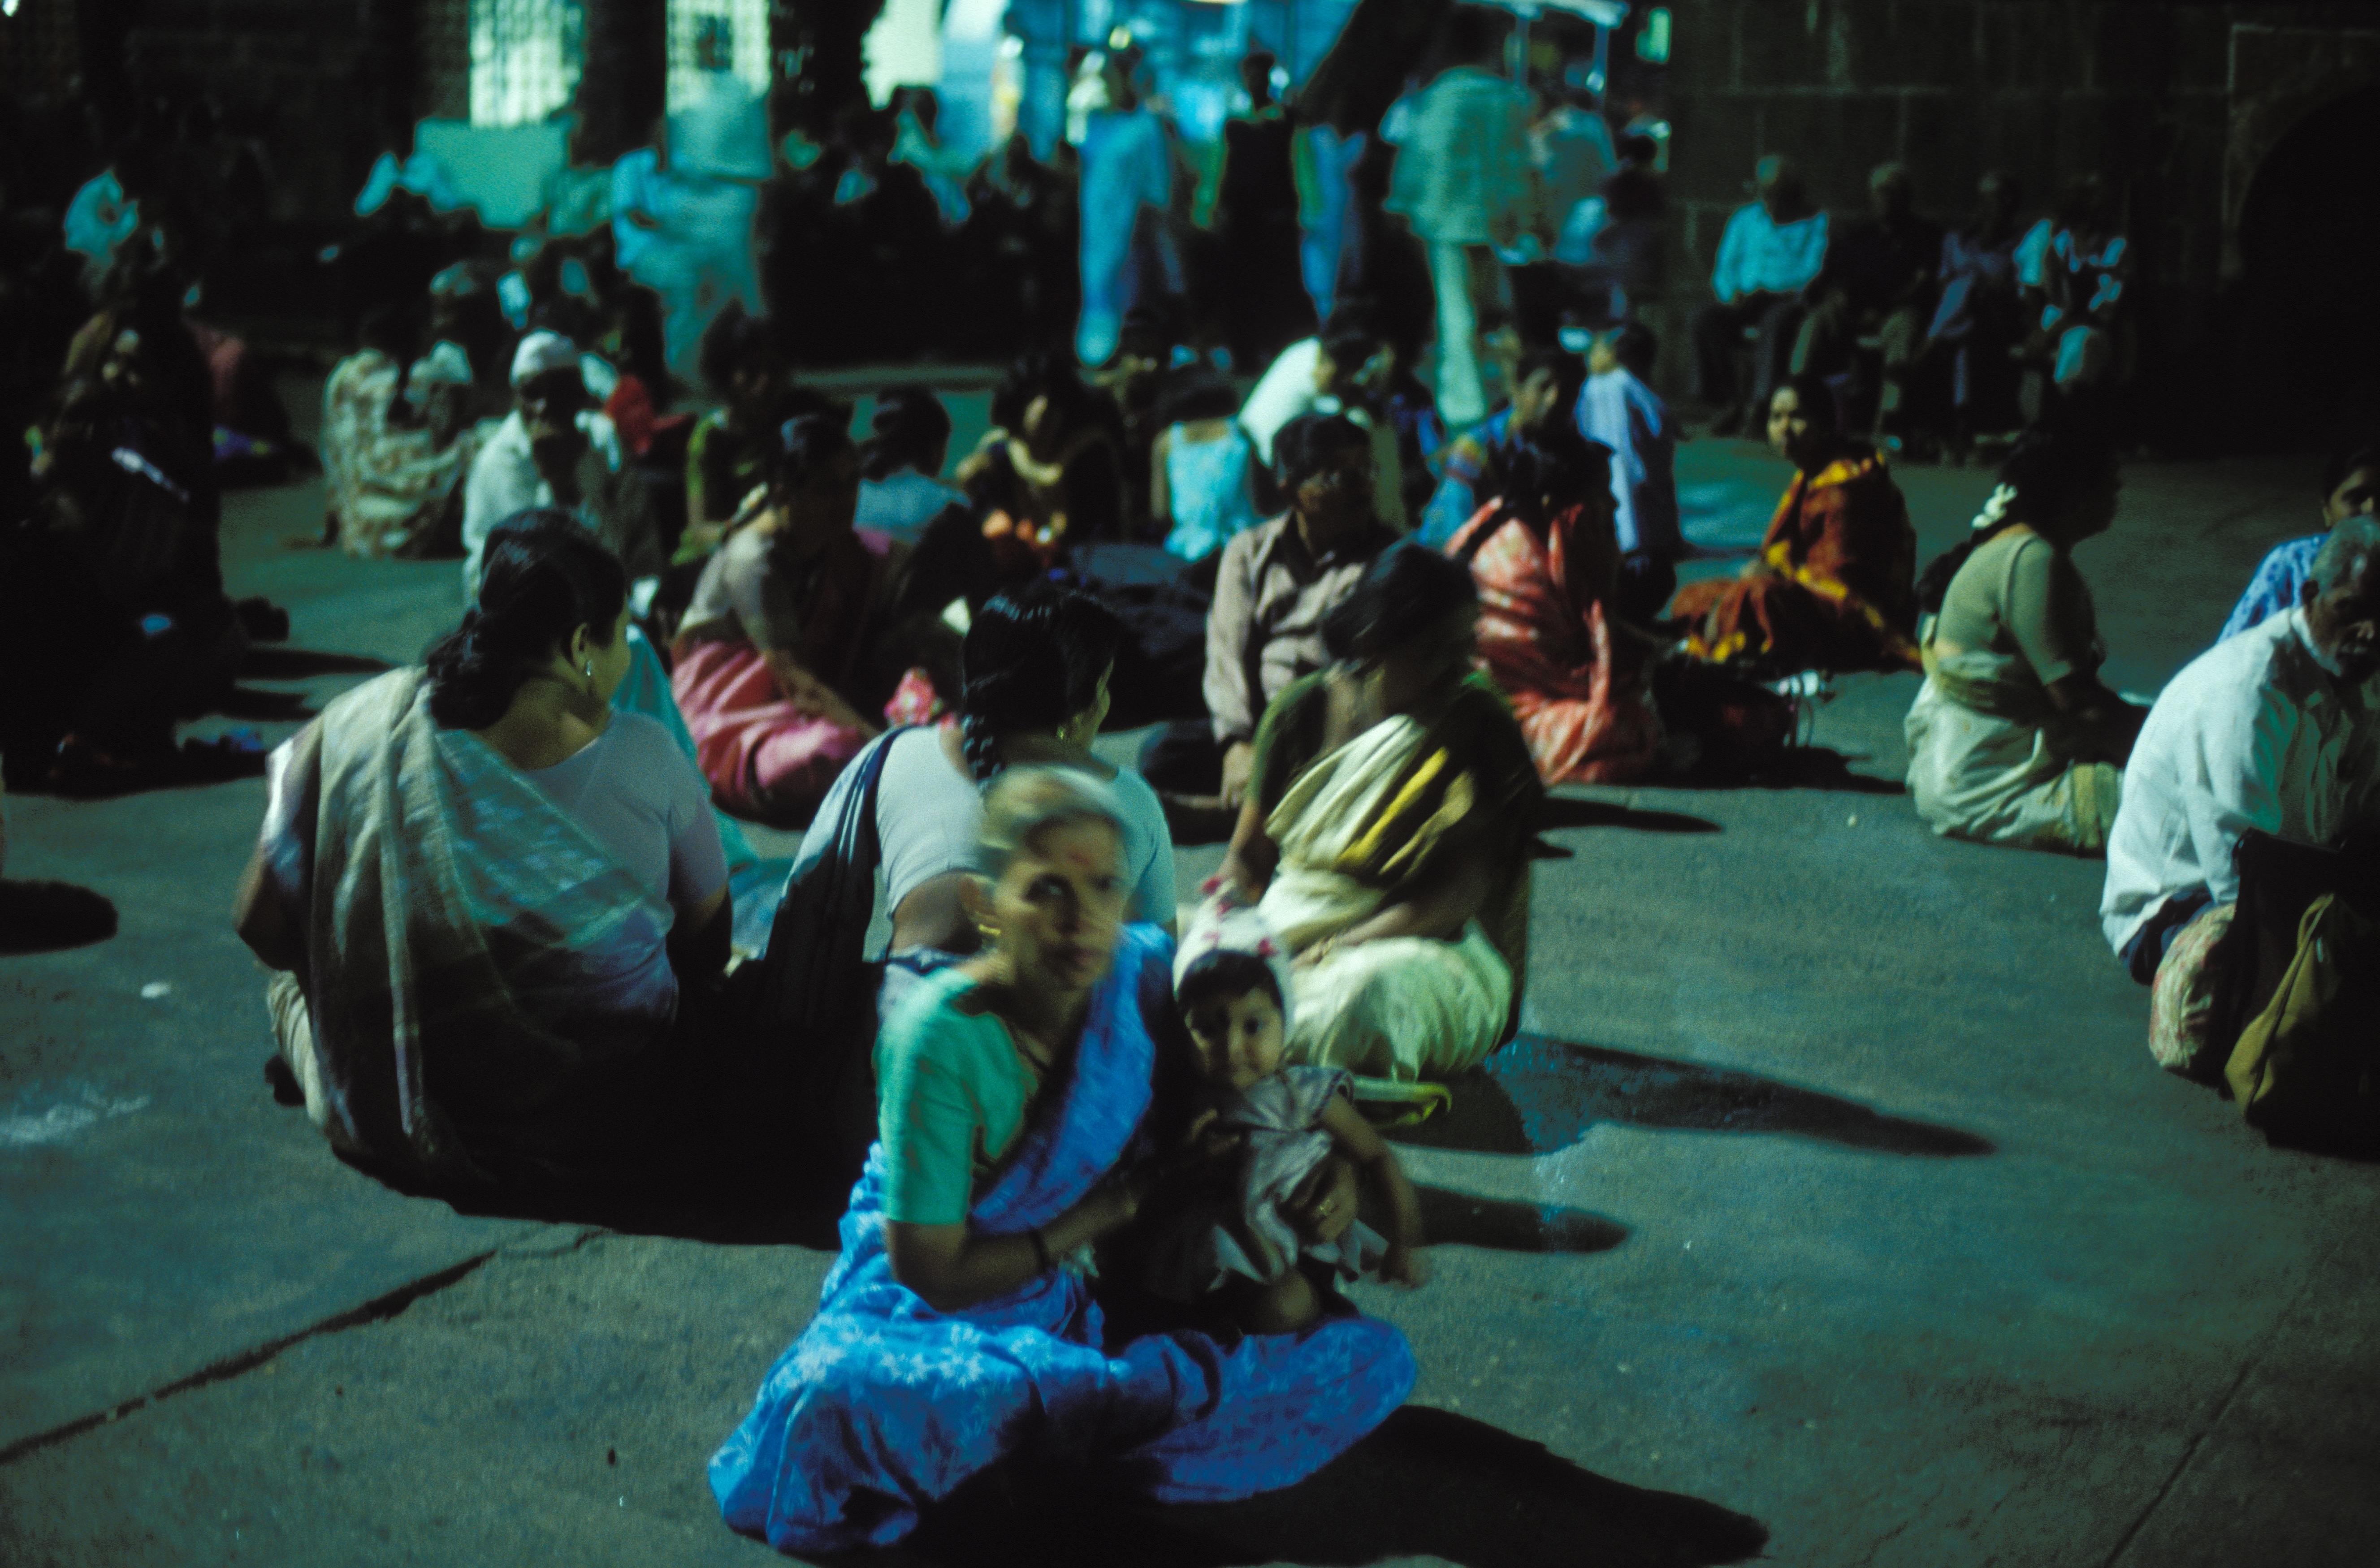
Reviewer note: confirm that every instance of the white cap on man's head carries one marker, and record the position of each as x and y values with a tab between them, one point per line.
543	353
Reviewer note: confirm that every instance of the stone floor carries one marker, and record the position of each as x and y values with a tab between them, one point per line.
1832	1188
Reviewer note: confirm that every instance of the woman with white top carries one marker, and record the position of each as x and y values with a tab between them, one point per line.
1034	691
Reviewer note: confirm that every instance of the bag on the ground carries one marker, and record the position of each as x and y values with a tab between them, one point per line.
2309	1063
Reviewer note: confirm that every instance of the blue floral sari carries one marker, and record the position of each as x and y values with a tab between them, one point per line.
884	1404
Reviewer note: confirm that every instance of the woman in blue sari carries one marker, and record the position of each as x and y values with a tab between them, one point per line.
958	1328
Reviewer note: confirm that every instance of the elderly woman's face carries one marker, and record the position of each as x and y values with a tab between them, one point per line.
1060	907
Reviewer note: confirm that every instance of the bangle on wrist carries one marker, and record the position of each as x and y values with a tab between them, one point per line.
1040	1251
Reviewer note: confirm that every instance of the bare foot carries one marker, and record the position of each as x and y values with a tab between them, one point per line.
1287	1305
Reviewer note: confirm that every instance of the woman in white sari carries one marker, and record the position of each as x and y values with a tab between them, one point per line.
1385	837
2012	739
484	890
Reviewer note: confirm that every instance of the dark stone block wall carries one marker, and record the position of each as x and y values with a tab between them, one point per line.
2174	103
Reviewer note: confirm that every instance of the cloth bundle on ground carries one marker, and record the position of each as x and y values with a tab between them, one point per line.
2272	992
1545	636
484	989
1375	817
884	1405
1834	585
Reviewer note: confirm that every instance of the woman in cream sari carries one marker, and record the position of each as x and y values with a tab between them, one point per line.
1385	837
2012	739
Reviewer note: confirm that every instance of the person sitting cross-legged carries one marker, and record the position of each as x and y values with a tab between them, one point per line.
1832	588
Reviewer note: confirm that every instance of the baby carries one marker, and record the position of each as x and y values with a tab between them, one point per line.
1233	982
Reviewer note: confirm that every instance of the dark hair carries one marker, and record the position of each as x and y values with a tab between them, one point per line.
2050	463
1042	373
1556	461
1471	31
1814	396
1224	972
390	327
1032	660
1634	345
542	577
1350	344
1300	446
1570	371
803	443
909	424
1404	591
2361	453
734	338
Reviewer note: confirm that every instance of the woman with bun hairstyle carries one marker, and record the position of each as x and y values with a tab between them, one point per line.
773	646
1036	666
2012	739
484	891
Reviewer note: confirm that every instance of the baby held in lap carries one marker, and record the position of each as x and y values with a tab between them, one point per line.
1233	1249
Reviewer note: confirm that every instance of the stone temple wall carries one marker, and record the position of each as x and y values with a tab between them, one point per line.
2175	103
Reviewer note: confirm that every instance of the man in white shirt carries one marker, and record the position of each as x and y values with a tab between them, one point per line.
2277	728
555	449
1618	408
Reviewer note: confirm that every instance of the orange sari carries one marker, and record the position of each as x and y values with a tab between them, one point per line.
1545	639
1838	591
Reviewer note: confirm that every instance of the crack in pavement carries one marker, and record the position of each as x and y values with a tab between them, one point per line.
2190	1450
378	1310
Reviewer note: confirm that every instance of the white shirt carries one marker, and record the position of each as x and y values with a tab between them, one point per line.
1286	391
1463	174
928	817
2256	732
504	480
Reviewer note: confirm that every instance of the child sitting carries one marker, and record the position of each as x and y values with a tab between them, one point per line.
1232	981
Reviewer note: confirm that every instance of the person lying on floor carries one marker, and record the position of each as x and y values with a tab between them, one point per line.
2274	730
2012	739
484	892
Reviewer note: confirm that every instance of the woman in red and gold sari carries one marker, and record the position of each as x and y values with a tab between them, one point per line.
1547	561
1833	587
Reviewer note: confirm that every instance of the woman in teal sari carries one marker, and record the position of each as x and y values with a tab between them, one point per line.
959	1326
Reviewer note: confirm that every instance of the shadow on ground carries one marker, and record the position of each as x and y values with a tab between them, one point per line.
1797	767
1560	811
1428	1484
1539	1095
1460	1219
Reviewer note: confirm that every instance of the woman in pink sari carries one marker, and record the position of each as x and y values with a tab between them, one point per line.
774	645
1547	562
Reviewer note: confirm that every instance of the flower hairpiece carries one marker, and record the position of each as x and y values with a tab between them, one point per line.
1996	508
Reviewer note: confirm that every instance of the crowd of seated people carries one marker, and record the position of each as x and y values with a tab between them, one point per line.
676	622
1929	338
